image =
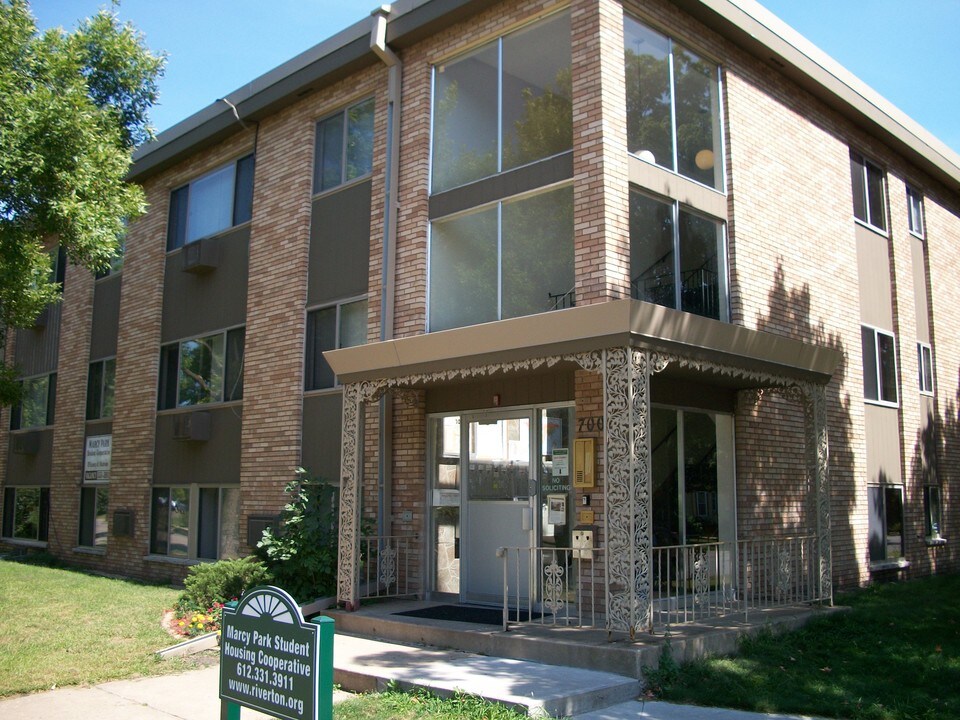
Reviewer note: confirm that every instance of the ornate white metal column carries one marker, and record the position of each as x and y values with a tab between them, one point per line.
351	470
818	463
627	487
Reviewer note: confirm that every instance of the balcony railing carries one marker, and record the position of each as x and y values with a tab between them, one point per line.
688	583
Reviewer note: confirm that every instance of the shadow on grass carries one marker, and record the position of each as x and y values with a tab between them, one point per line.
894	656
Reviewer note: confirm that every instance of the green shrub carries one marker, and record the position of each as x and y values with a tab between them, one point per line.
219	582
302	553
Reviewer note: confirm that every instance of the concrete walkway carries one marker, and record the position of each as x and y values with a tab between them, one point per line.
367	665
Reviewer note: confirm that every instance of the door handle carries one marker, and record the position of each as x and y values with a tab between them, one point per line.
525	518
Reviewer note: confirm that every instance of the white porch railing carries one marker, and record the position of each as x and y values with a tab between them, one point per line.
688	583
563	586
387	566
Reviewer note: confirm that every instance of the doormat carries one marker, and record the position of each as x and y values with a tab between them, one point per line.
467	614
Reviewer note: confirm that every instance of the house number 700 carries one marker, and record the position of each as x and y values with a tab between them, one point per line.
590	424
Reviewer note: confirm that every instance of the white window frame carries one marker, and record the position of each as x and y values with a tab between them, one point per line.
14	539
338	341
344	180
925	379
879	375
886	560
193	522
915	219
933	518
867	166
96	488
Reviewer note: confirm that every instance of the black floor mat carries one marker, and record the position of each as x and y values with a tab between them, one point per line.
458	613
465	613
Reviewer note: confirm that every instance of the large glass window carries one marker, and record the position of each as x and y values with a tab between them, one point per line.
504	105
93	516
879	366
885	522
212	203
344	147
504	260
869	196
329	328
35	408
202	370
668	242
26	513
673	105
101	380
190	521
685	477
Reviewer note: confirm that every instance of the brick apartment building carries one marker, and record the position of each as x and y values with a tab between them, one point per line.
654	277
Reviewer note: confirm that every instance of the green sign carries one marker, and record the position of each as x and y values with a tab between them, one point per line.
273	661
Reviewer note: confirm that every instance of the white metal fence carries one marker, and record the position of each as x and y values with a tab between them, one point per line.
389	565
688	583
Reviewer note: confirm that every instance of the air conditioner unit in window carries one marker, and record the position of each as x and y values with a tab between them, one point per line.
25	443
192	426
200	256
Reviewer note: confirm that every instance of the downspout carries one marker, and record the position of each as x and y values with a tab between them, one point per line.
378	44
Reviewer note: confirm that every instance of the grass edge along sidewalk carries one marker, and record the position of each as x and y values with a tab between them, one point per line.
894	656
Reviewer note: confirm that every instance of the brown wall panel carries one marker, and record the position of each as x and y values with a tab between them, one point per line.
214	462
514	390
106	317
340	245
320	449
24	470
37	347
198	303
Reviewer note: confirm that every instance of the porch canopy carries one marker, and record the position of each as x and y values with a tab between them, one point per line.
626	342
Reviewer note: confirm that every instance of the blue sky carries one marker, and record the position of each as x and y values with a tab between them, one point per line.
905	49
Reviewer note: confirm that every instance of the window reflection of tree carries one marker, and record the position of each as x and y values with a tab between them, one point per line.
201	370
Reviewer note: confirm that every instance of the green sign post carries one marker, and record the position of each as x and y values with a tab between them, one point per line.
273	661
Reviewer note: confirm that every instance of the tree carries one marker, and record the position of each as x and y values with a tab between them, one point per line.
72	108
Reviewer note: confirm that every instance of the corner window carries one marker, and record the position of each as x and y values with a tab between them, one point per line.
673	105
202	370
504	260
677	258
879	366
212	203
35	408
329	328
344	147
191	522
93	516
869	197
925	368
915	212
931	512
504	105
26	513
100	388
885	522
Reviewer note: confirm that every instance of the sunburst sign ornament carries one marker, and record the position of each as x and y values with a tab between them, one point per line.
273	661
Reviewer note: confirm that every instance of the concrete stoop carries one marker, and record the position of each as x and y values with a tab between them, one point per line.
540	690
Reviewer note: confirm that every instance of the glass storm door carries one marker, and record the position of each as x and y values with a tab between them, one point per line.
497	505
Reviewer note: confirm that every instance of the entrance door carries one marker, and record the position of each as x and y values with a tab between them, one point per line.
497	509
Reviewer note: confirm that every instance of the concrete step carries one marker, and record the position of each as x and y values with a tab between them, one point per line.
363	665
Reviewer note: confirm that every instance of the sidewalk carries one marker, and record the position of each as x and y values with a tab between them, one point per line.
367	664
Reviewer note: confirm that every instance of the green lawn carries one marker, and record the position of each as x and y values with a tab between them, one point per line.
420	706
894	656
62	627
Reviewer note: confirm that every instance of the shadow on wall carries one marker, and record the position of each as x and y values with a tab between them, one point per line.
936	455
773	480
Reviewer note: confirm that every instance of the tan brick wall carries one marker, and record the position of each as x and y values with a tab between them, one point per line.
277	290
601	189
70	413
138	358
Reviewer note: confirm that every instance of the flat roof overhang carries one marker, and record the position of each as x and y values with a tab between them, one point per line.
618	323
